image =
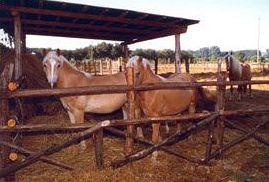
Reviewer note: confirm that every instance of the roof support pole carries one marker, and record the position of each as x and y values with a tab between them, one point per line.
126	55
18	45
23	39
177	54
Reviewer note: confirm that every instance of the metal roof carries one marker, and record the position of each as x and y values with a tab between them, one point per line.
54	18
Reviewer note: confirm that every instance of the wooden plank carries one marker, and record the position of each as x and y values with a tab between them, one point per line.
177	54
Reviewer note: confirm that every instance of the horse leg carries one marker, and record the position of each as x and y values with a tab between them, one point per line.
79	118
167	129
71	117
240	90
250	91
192	111
155	139
231	93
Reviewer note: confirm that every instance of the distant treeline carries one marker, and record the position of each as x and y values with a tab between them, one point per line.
114	51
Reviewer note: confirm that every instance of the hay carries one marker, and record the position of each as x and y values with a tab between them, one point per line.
243	162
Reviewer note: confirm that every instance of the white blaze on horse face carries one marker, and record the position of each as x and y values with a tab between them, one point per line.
53	63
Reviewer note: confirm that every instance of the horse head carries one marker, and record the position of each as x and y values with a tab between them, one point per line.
52	63
228	59
141	67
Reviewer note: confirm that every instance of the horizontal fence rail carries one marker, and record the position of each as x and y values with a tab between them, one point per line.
113	89
78	127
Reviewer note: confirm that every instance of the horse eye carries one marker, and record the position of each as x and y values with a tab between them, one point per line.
137	74
58	66
44	65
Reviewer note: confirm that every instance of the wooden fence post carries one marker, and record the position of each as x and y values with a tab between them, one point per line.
131	112
177	54
18	45
187	65
101	67
220	106
4	109
156	65
98	143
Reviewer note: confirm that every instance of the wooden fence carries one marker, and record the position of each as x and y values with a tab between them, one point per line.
215	121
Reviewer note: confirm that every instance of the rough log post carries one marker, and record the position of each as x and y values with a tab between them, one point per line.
23	39
177	54
156	66
126	56
220	106
209	141
110	67
101	66
187	65
98	143
4	151
94	67
120	67
131	112
17	36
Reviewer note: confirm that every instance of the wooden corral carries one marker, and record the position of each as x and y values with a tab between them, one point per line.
109	24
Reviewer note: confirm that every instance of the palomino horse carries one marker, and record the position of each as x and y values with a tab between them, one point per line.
157	103
238	72
61	73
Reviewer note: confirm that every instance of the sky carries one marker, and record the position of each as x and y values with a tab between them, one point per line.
229	24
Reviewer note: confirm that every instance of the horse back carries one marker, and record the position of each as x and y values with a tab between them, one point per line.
246	72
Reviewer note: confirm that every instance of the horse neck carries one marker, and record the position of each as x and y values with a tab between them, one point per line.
67	74
149	76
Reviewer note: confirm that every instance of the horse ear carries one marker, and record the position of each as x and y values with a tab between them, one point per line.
44	52
58	51
139	60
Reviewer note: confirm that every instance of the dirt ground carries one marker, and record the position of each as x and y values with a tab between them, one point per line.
248	161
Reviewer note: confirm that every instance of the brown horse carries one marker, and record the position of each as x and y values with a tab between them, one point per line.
157	103
61	73
238	72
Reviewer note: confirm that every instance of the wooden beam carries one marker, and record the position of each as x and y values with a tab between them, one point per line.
74	35
78	25
177	54
18	46
78	34
85	16
95	90
155	35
